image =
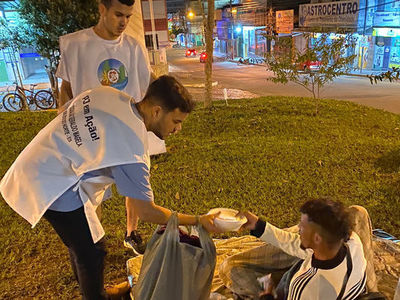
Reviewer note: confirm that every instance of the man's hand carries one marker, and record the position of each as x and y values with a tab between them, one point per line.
267	284
207	221
251	220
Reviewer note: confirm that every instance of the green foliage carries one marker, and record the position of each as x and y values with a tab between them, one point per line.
175	30
15	36
49	19
288	63
267	155
391	75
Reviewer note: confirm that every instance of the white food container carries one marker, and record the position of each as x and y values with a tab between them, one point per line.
227	220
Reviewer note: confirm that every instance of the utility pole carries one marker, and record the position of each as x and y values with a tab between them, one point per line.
363	38
232	28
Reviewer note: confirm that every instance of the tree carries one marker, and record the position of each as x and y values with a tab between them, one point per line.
209	50
176	30
330	56
391	75
49	19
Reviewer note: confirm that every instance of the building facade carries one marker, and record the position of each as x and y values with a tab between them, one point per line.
374	23
243	26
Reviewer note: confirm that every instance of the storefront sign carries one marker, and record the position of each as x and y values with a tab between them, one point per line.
386	32
341	13
387	19
284	21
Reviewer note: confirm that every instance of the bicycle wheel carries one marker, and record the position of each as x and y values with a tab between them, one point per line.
12	102
44	99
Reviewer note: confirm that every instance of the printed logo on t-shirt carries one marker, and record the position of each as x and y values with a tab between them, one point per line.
112	72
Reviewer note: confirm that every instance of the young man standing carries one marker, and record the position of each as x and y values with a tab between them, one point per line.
105	55
63	173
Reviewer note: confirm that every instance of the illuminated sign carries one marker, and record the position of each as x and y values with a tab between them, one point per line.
387	19
386	32
284	21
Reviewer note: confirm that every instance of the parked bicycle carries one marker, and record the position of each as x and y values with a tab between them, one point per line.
13	101
3	92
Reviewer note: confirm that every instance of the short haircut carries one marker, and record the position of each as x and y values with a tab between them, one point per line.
107	3
170	94
331	216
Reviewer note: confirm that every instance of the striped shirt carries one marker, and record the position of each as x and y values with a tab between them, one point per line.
316	279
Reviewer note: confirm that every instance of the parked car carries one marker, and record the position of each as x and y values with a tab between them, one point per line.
310	66
190	52
203	57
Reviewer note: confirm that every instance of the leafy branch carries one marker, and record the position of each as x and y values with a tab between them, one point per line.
328	55
391	75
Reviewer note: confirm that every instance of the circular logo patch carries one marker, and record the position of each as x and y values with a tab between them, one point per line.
112	72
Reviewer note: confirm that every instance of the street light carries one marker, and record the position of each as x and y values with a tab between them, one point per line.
190	15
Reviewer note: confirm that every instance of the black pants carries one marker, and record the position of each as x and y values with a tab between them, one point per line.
87	258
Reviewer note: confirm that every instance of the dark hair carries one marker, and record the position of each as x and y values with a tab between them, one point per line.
331	216
107	3
170	94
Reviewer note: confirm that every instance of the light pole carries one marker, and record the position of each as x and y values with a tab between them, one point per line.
363	38
190	15
233	12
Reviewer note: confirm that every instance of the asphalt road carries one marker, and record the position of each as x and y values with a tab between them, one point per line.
254	79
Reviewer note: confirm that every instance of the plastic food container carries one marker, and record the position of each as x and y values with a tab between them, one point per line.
227	220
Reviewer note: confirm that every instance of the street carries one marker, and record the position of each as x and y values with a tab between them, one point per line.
254	79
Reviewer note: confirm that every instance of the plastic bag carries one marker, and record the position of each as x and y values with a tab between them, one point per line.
172	270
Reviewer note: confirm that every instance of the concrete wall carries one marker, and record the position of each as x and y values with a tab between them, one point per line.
135	25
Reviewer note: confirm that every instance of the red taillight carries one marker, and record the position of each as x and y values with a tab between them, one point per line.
204	55
187	52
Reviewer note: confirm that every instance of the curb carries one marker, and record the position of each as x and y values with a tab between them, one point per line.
357	75
200	85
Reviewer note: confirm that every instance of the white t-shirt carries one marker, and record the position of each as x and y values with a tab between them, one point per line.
315	279
88	61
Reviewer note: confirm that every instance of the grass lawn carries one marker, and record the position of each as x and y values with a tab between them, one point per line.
267	155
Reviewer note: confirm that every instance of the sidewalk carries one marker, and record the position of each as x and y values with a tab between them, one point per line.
364	73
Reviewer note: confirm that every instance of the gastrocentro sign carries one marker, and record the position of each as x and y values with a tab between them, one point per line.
329	14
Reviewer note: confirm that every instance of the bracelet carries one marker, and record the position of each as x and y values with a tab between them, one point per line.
197	220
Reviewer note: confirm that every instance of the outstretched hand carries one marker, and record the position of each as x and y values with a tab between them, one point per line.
251	220
207	221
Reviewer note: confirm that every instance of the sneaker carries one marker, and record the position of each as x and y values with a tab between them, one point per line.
135	242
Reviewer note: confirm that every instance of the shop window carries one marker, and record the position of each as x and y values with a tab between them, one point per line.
149	41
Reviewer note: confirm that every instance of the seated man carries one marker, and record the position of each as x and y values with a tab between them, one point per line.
332	263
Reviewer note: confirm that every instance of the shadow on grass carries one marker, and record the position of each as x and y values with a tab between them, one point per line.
389	162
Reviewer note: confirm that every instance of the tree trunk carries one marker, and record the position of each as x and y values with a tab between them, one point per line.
54	84
51	73
209	50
